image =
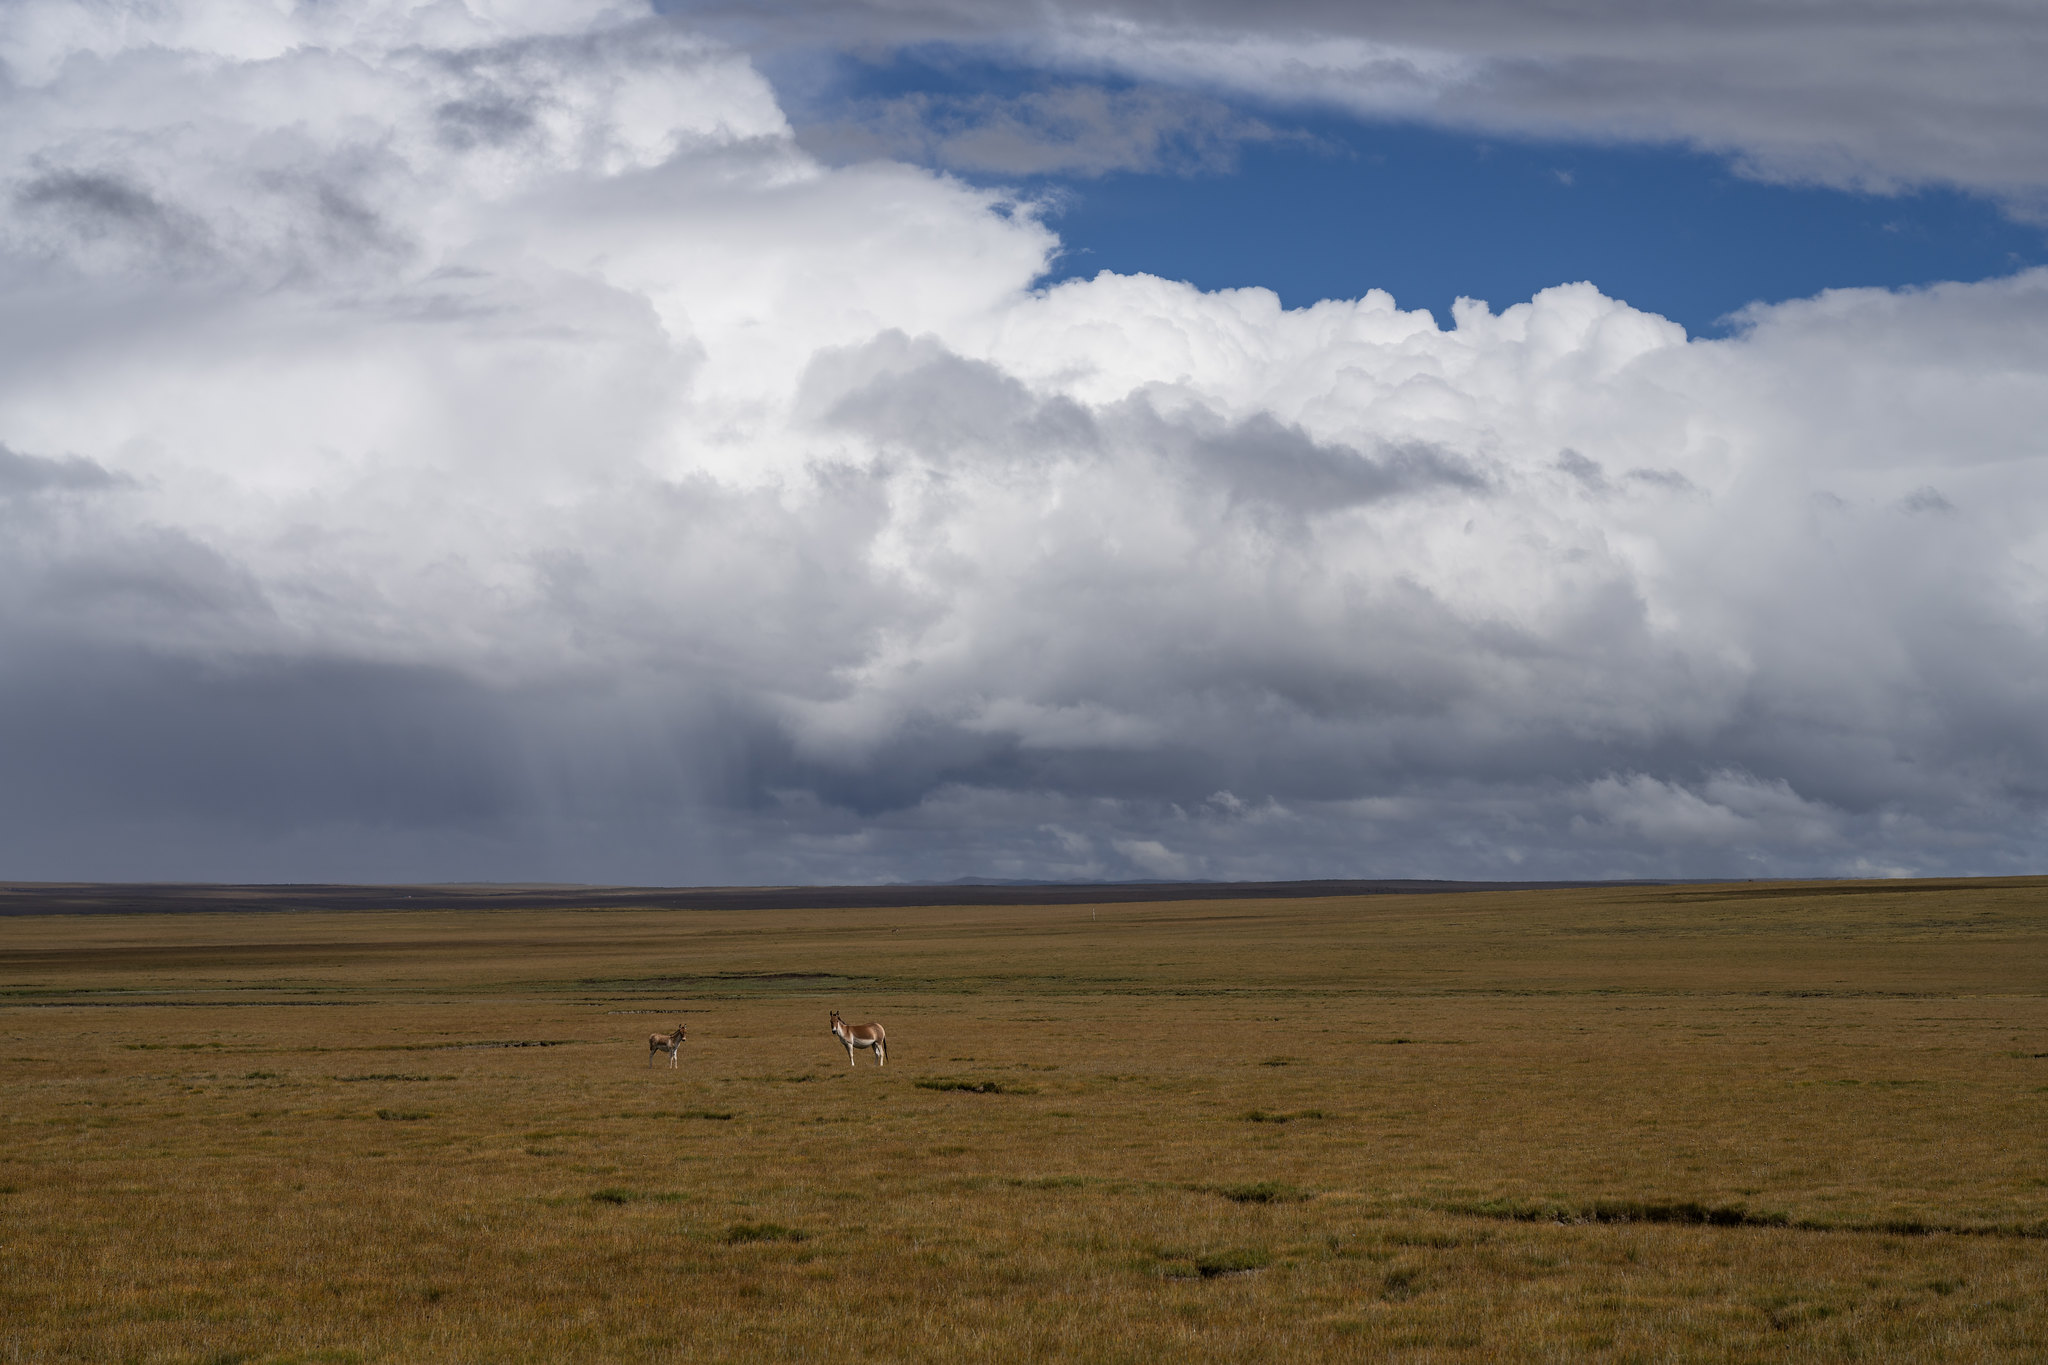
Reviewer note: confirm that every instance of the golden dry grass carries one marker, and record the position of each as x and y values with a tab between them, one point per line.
1481	1127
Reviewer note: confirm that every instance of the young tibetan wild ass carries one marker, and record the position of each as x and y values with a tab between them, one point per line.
861	1035
671	1043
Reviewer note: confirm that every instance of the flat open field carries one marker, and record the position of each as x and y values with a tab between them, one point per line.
1741	1122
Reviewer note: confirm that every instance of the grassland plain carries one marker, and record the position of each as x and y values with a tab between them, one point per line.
1745	1122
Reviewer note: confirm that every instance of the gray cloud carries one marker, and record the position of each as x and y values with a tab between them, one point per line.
1837	92
105	213
488	119
1073	129
1263	460
21	474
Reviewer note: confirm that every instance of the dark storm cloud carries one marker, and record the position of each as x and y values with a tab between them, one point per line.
122	734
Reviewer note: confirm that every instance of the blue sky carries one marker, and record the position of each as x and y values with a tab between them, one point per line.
1429	216
1328	205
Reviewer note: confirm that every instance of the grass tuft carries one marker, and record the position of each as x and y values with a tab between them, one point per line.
403	1115
1400	1283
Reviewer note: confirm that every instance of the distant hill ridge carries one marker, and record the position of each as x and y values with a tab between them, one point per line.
93	898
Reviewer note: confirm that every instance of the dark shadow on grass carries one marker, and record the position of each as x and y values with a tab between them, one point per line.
1263	1192
1693	1213
977	1087
741	1233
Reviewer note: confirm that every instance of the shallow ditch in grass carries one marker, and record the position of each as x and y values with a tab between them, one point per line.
1170	1264
616	1195
740	1234
976	1086
1058	1182
469	1047
1261	1192
1696	1214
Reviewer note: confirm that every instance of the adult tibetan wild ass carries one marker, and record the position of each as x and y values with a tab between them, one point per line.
861	1035
671	1043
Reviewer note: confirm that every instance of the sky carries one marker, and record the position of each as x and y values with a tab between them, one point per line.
1316	203
890	440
